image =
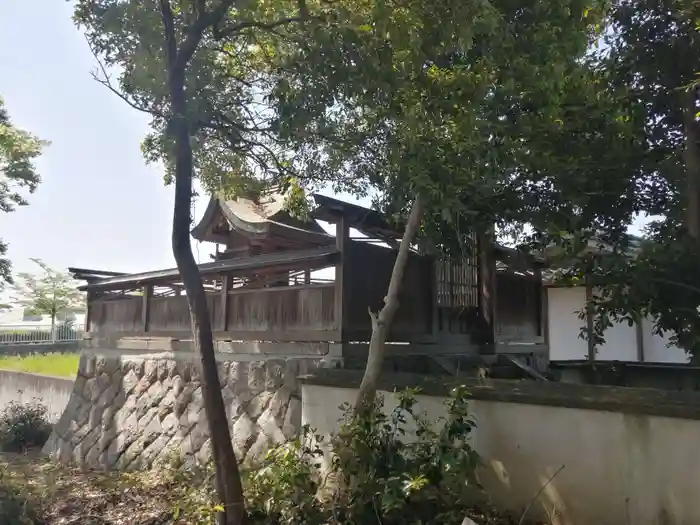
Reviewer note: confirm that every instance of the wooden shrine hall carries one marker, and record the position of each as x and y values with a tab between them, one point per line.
277	279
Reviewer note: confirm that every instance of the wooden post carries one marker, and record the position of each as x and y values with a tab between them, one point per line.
342	238
539	300
307	276
589	321
90	296
225	285
545	314
487	288
146	307
639	336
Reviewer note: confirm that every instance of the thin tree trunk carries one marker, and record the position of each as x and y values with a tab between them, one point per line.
692	165
227	474
228	479
53	327
381	321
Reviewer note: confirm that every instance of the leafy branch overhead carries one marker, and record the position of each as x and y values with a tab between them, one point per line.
493	111
227	80
651	56
18	176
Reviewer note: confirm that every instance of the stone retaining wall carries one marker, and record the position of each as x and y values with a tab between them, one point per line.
131	413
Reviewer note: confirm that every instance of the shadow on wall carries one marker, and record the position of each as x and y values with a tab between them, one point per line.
573	466
133	413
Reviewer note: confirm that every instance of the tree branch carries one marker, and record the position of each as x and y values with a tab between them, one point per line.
107	82
170	37
251	24
195	31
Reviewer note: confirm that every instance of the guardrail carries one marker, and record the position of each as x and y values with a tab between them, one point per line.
23	334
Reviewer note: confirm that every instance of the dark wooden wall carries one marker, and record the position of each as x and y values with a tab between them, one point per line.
518	307
368	269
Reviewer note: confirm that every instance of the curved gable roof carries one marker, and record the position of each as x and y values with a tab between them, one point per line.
258	220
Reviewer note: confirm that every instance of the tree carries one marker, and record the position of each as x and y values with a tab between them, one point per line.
50	293
169	55
462	116
18	149
651	54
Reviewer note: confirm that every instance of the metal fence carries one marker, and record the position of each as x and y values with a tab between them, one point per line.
23	334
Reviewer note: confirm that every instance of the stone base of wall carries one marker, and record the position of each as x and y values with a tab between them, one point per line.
133	413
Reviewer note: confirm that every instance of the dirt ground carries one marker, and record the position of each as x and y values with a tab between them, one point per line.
61	495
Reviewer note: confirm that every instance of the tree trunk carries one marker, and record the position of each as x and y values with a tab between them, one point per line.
53	327
228	479
382	321
692	165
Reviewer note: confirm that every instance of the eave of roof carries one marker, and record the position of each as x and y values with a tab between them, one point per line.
261	228
225	266
365	220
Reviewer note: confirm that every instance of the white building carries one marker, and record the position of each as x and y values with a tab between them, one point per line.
622	342
22	318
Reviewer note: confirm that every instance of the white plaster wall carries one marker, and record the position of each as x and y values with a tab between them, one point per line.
620	340
565	325
657	349
619	469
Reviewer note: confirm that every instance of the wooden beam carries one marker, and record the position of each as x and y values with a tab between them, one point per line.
146	307
185	334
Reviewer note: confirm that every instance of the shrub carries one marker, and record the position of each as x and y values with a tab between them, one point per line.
383	473
24	426
282	489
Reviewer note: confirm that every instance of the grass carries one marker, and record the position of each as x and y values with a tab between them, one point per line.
53	364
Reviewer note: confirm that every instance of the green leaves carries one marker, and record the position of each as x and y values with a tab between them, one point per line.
651	60
18	151
49	293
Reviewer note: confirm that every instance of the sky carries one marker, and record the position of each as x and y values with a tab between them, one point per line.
99	205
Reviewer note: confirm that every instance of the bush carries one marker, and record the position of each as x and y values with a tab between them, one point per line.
382	474
283	488
24	426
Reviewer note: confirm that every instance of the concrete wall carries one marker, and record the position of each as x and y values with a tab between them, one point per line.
620	340
621	466
20	387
